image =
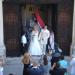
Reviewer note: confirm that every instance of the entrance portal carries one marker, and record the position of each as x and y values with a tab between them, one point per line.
17	17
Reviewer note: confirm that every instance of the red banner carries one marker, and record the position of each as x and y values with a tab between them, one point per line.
39	19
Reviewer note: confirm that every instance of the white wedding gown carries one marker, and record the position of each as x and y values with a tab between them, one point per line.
34	47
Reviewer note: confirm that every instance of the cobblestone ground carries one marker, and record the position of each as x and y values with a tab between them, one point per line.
15	66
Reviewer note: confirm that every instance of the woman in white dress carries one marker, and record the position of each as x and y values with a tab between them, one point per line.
34	47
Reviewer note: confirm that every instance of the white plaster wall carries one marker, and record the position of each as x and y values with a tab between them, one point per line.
73	36
2	47
1	24
73	33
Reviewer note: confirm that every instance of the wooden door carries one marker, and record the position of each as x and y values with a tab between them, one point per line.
60	21
12	29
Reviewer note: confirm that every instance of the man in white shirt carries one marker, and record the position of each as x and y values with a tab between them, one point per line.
44	35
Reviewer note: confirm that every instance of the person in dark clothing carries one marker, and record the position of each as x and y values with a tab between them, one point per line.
30	69
48	46
10	74
56	55
56	70
35	71
26	62
46	64
25	70
55	59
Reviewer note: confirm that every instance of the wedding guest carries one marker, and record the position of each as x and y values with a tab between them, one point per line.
56	70
46	65
24	43
26	62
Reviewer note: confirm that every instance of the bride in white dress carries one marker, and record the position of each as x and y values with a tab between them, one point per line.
34	47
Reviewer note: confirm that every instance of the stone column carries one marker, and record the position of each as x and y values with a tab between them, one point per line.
2	46
73	33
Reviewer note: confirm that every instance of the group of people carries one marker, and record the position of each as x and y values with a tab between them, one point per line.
47	67
40	42
33	68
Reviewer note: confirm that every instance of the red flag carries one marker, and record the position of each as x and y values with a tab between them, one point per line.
39	19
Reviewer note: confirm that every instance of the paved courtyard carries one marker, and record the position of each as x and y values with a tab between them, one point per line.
14	66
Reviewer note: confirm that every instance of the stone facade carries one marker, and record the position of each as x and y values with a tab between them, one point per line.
72	51
2	46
